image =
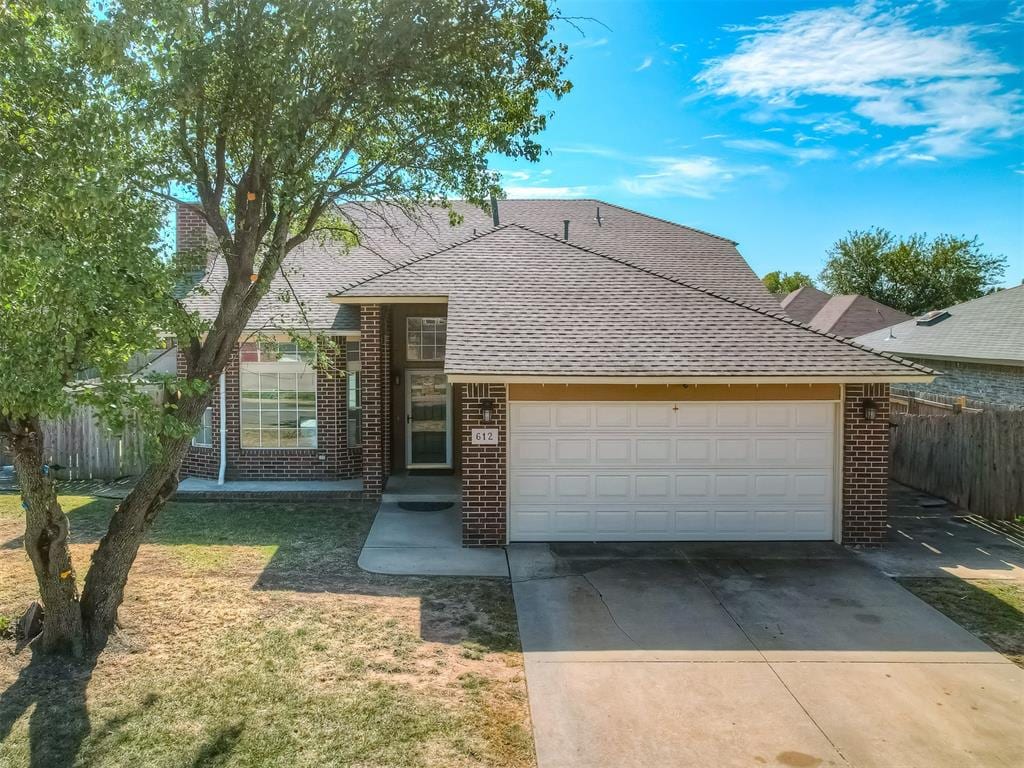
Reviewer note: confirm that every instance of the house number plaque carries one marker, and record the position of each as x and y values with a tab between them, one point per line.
484	436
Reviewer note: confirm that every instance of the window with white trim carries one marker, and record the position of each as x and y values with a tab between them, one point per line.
204	437
354	408
277	384
425	338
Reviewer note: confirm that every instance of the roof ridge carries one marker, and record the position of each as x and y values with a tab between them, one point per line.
663	221
421	257
780	316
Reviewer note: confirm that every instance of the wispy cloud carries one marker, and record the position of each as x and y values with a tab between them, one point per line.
698	176
800	154
589	42
645	64
938	84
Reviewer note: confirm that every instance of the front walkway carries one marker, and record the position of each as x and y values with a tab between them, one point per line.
696	655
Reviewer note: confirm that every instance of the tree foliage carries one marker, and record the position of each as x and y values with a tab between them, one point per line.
82	287
781	283
913	274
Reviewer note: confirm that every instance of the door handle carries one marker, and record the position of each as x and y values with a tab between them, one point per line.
408	418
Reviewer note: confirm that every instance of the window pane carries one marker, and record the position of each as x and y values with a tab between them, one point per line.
278	398
425	338
250	438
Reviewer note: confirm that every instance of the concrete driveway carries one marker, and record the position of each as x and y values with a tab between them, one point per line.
711	655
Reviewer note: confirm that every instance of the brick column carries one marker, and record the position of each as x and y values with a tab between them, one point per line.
372	391
865	465
387	410
484	471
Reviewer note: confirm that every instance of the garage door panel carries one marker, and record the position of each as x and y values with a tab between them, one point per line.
650	471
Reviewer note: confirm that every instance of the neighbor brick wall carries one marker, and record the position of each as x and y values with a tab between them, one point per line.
1001	386
372	383
330	460
865	465
484	471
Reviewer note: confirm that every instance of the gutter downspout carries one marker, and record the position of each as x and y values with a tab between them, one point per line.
223	431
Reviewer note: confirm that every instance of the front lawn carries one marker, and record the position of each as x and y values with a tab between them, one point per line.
991	609
251	638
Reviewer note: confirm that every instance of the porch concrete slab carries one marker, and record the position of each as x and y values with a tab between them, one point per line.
202	485
915	715
669	715
406	543
811	610
408	487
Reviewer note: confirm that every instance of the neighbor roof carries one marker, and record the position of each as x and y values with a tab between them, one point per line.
523	303
390	237
804	303
988	329
853	315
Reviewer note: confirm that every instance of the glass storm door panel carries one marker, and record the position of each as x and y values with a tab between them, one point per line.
427	419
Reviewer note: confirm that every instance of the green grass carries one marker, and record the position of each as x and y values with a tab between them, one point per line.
251	638
991	609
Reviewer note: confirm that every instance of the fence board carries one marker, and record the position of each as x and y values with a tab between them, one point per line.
975	460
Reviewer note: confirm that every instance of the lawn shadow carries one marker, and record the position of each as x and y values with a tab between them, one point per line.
59	722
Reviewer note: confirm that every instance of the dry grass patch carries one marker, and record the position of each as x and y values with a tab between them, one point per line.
251	638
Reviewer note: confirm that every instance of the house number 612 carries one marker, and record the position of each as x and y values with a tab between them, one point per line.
485	436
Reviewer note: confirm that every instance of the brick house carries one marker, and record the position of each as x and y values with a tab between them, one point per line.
588	372
977	346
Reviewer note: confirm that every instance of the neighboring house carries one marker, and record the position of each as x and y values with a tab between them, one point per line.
978	346
846	316
589	372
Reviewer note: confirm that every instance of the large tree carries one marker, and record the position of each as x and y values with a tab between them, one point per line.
913	274
273	114
81	284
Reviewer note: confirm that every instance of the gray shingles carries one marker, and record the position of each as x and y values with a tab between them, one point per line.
389	237
523	303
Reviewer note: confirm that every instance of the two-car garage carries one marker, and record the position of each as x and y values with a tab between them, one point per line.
672	471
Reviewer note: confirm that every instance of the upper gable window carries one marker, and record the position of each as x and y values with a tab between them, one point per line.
425	338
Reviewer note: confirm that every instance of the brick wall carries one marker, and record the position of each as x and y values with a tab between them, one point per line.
332	459
999	386
372	376
865	465
484	476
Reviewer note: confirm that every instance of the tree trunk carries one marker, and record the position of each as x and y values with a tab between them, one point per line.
132	519
46	541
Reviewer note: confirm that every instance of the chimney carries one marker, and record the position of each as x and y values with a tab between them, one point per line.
193	238
494	210
565	228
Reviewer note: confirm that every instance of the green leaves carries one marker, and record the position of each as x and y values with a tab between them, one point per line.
912	274
782	283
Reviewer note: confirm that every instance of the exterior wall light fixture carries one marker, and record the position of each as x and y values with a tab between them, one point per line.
487	411
870	410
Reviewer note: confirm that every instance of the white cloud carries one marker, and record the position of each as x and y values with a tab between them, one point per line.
936	83
514	175
676	47
648	60
521	192
837	125
919	158
773	130
589	42
715	136
800	154
698	176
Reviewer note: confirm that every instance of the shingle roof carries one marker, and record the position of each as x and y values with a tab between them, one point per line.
990	328
526	303
390	237
804	303
853	315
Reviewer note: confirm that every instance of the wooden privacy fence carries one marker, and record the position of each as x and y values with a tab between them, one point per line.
975	460
77	447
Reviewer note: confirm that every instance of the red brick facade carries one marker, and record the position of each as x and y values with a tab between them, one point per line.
330	460
374	387
865	465
484	475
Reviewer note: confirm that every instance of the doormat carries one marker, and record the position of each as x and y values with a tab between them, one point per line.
425	506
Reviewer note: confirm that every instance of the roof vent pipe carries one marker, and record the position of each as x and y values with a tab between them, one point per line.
494	210
598	217
565	228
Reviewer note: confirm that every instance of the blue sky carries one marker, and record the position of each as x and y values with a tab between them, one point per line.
784	124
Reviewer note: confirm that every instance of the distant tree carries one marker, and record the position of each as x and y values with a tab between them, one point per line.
912	274
785	282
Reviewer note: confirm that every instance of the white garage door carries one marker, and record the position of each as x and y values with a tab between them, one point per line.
671	471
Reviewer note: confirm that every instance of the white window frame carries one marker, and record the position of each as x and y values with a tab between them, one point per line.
435	322
203	426
277	366
353	371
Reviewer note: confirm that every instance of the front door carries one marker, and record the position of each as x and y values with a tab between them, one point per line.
427	420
